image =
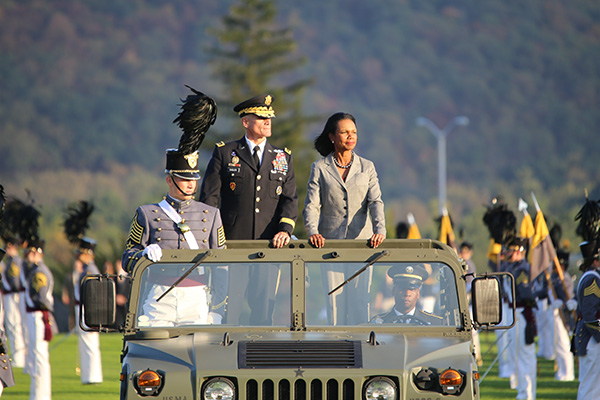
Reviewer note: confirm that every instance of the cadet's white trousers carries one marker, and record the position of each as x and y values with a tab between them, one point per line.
13	326
90	358
526	361
41	385
564	358
187	305
589	372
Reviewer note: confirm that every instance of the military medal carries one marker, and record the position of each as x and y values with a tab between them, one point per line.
280	163
235	160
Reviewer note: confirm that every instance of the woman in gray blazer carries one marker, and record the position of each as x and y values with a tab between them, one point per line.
343	201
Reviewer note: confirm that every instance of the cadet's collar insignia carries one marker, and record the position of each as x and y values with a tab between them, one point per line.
232	186
192	159
268	100
288	151
220	144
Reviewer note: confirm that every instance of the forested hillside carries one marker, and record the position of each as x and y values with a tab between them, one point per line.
90	89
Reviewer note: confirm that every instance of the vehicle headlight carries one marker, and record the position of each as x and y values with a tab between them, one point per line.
451	381
219	389
380	388
149	382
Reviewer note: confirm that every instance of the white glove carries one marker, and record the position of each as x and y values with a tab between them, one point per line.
153	252
557	303
571	304
214	318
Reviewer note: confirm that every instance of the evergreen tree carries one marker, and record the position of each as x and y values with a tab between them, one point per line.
255	56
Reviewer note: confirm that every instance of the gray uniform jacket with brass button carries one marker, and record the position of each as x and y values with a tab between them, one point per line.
339	209
588	307
151	225
254	204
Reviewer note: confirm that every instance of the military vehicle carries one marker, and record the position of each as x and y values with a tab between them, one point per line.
298	323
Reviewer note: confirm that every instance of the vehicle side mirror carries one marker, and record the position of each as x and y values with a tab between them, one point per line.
487	301
97	311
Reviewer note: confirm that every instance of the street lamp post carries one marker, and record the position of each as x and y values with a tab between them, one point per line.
441	139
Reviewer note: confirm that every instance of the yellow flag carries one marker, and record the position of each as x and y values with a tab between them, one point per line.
541	249
527	229
446	231
413	229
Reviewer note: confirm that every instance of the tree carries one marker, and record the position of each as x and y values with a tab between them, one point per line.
254	57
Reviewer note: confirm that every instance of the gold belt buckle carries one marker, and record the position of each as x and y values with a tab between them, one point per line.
184	228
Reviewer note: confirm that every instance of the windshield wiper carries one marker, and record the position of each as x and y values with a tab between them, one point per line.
189	271
360	271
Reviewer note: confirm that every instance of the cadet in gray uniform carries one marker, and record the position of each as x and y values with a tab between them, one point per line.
6	373
408	280
180	222
40	304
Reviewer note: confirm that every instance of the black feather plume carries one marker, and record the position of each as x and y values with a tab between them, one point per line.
501	222
26	221
198	113
589	221
77	220
556	235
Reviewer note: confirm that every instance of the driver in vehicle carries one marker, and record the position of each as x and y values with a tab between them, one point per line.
408	280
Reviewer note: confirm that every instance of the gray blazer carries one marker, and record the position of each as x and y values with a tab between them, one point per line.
341	210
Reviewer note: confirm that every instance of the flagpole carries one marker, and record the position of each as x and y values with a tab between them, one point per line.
558	269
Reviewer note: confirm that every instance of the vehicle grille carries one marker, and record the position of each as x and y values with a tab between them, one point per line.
299	389
295	354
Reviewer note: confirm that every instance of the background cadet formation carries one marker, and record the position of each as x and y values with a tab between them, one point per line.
249	192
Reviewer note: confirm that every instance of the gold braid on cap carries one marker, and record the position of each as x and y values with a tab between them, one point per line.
261	111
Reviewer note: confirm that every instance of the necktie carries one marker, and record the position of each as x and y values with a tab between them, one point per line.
255	155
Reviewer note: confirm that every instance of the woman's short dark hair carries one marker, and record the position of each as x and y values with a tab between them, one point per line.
322	142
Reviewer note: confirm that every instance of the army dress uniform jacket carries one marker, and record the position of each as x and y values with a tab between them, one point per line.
392	318
152	225
339	209
588	301
254	203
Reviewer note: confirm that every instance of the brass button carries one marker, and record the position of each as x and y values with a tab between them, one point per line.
205	211
158	239
258	177
203	219
256	210
158	229
204	230
204	240
258	188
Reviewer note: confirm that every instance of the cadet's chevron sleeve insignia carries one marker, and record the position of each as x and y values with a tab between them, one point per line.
593	289
221	236
135	232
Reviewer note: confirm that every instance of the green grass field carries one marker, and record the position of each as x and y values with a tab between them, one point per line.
66	385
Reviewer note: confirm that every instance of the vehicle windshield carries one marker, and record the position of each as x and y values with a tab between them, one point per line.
259	294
